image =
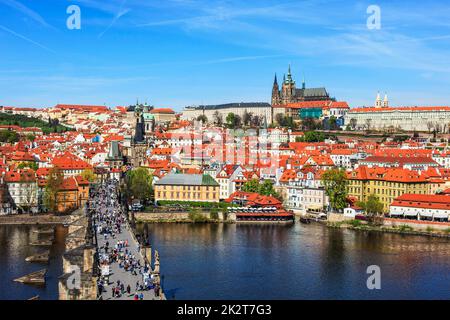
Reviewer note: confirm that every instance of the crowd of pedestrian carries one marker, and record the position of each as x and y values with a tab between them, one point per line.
110	223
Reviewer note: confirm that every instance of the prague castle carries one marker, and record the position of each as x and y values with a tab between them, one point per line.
290	94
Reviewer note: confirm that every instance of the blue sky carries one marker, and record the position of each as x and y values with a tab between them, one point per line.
175	53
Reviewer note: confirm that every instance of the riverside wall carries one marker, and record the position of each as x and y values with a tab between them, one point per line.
179	216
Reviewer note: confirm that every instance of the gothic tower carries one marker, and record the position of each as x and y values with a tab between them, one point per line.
139	143
288	89
276	98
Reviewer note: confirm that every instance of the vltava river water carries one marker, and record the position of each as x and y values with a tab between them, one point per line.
297	262
14	249
202	261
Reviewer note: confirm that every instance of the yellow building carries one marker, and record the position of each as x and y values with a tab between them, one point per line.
187	187
163	115
386	183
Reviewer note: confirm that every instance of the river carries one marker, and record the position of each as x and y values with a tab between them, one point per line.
209	261
14	249
229	261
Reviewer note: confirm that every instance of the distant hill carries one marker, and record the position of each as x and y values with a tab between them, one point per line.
7	119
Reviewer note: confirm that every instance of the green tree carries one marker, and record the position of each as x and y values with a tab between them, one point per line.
202	118
312	136
89	175
251	186
53	186
247	118
265	188
9	136
30	137
335	183
353	123
139	184
218	119
279	118
230	120
333	123
373	206
285	121
25	122
310	124
233	121
28	164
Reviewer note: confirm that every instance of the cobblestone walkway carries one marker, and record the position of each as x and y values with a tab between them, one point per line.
117	273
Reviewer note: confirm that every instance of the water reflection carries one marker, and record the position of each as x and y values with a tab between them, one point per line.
14	248
202	261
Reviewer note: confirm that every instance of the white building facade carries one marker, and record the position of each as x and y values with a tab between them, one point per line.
422	119
260	109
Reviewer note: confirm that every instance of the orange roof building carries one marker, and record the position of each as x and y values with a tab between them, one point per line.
389	183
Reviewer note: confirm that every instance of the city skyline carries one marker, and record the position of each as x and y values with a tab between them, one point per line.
180	53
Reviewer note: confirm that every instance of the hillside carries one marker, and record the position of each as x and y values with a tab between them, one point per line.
25	122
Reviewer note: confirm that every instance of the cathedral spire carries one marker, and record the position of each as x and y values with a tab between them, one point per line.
275	92
289	75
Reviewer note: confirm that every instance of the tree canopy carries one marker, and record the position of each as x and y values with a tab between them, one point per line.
139	184
26	164
285	121
26	122
312	136
233	121
9	136
54	182
335	183
89	175
265	188
202	118
373	206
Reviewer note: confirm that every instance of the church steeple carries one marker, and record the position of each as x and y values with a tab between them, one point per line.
275	92
378	102
289	76
386	101
139	133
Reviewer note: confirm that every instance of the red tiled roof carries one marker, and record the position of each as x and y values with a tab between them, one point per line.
20	176
81	181
254	199
391	109
69	184
70	162
423	201
325	104
400	160
43	172
387	174
163	110
82	107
